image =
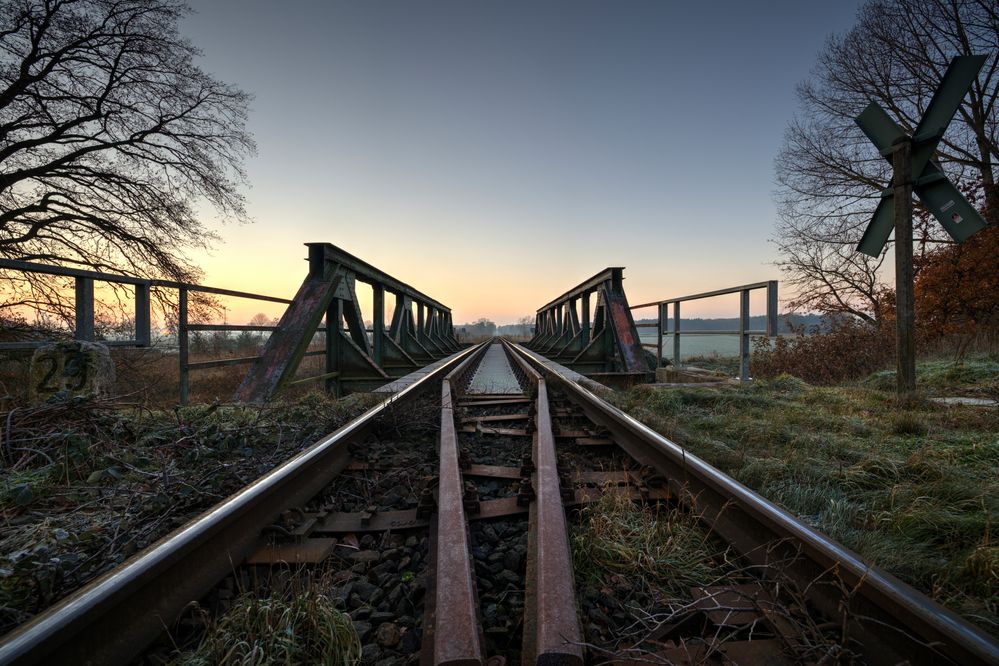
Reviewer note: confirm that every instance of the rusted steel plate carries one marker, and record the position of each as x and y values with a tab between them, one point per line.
485	430
494	403
285	346
337	523
495	417
494	471
310	551
342	523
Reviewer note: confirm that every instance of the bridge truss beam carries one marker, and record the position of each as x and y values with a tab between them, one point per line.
603	342
355	360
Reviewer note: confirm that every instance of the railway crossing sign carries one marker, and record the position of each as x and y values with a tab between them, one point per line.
913	170
941	198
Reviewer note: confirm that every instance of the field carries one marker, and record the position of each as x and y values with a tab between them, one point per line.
914	490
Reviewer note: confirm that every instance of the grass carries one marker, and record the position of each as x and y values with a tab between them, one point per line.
662	548
300	628
914	489
86	484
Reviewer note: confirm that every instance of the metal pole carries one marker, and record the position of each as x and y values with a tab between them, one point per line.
660	315
84	309
182	344
905	319
676	335
773	328
744	335
142	324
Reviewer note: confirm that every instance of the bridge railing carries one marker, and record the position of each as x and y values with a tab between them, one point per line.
83	314
358	356
744	332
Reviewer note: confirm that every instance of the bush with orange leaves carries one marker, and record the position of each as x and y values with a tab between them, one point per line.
957	291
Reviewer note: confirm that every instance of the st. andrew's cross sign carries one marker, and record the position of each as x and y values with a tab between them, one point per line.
929	183
913	170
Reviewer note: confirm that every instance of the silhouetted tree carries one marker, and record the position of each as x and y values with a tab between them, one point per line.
109	136
829	175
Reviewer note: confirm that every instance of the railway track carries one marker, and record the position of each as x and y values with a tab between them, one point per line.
453	545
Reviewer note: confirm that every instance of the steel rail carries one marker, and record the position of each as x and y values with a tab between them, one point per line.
890	621
551	626
454	631
110	620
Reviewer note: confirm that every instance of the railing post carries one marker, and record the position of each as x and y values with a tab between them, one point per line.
744	335
182	343
676	335
584	309
84	309
660	326
377	322
772	327
142	318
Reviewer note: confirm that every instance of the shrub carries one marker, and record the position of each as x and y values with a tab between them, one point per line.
850	349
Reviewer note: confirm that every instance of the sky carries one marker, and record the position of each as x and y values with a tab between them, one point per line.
494	154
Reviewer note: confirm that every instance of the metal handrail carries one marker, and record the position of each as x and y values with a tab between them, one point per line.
744	332
83	309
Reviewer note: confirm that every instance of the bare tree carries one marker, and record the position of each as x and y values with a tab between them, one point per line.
829	177
109	136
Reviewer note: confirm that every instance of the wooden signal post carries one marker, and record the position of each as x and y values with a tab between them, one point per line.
914	171
905	300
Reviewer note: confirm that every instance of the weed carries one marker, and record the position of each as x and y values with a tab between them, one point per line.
913	490
658	547
299	628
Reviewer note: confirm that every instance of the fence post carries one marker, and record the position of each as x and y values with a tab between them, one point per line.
142	318
84	309
772	327
676	335
660	329
182	343
744	335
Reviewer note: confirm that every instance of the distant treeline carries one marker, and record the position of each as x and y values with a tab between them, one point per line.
786	323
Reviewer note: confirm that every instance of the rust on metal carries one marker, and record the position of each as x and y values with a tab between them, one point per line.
599	342
495	417
309	551
112	618
454	635
551	628
354	361
884	614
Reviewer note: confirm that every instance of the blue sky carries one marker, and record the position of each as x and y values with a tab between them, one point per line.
495	154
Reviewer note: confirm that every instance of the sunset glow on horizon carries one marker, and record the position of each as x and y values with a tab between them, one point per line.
493	156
